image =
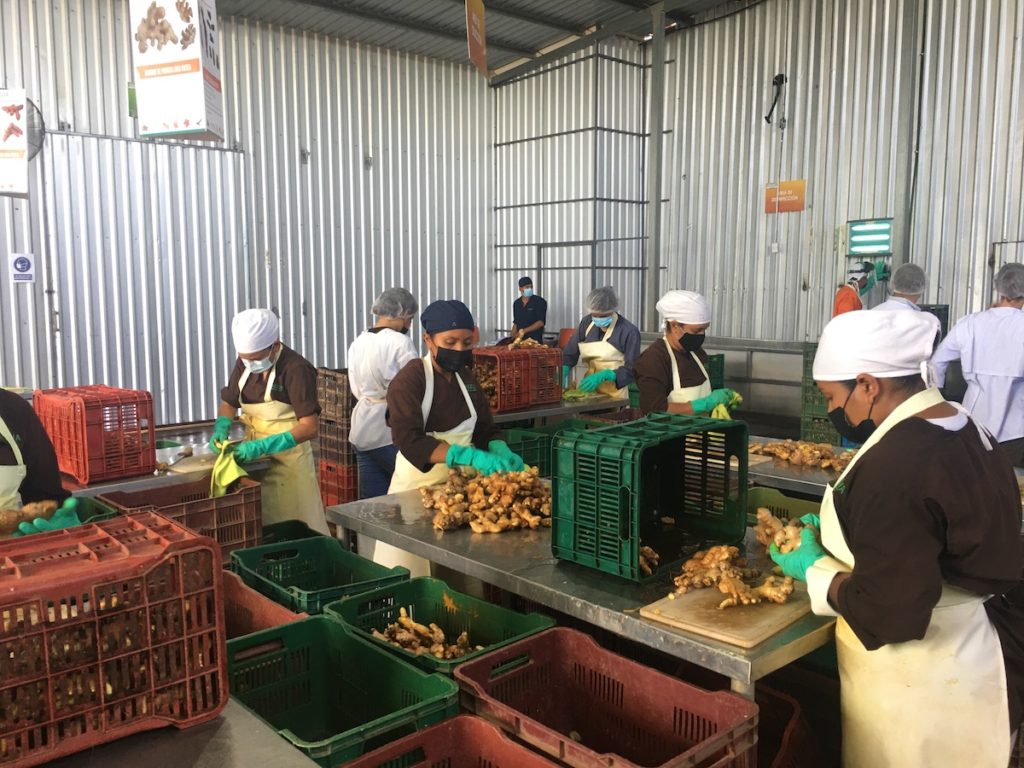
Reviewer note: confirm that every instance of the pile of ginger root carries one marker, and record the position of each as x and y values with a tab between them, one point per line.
771	530
723	567
504	501
420	639
804	454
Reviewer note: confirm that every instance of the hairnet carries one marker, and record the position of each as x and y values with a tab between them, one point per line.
909	279
1010	281
602	300
684	307
254	330
396	303
885	344
447	316
525	281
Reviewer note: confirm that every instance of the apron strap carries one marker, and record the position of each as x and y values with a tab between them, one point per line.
700	365
270	379
428	391
606	333
6	434
676	383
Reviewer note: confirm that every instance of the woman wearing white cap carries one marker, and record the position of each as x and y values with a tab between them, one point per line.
276	389
919	557
672	375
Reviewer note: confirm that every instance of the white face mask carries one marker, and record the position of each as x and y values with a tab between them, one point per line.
258	366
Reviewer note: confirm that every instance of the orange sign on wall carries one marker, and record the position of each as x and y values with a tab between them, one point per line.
788	197
475	34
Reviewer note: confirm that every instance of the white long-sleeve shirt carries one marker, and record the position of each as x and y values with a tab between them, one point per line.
990	347
374	359
897	302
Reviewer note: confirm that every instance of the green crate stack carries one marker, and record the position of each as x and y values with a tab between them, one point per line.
333	695
812	402
665	481
818	429
534	444
716	371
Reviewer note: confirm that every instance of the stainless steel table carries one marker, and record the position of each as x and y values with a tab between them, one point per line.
236	739
542	413
787	477
522	563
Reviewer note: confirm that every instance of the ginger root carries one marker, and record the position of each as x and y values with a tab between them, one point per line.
504	501
785	535
649	560
802	454
11	518
773	590
766	527
706	569
420	639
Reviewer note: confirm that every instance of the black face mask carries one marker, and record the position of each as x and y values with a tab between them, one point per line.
858	433
453	360
691	342
405	330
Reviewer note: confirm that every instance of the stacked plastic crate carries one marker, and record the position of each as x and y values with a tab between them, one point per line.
339	482
815	426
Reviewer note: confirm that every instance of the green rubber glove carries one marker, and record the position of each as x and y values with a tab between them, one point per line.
65	517
797	562
881	270
811	519
484	462
513	461
716	398
221	428
250	450
565	376
593	381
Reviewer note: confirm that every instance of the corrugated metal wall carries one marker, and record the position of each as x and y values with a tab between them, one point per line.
346	169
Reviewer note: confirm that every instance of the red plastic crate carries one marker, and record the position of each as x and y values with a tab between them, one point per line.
514	373
334	395
339	483
546	370
334	444
234	520
247	611
784	739
99	433
106	630
562	693
462	742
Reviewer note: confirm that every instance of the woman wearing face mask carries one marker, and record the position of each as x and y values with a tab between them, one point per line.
276	389
672	374
374	359
919	558
607	343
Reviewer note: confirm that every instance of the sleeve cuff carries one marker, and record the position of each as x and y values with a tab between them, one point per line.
819	578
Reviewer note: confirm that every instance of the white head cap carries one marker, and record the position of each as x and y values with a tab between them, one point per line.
886	344
684	307
254	330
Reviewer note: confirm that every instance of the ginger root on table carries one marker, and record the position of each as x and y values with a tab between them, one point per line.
421	639
504	501
785	535
706	569
774	590
803	454
766	527
649	560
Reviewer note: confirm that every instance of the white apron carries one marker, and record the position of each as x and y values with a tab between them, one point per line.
938	702
11	477
289	489
602	356
408	478
679	393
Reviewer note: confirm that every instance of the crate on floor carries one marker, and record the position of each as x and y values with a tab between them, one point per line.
234	520
670	482
333	443
782	506
247	611
99	432
289	530
339	483
334	394
331	694
307	574
462	742
431	601
563	694
505	376
109	629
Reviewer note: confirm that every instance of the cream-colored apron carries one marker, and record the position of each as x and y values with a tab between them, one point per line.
407	477
679	393
11	477
289	489
602	356
938	702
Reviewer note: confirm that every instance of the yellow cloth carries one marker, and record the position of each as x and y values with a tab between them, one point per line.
225	471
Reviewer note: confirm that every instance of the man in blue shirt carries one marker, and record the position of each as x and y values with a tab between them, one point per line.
529	313
608	344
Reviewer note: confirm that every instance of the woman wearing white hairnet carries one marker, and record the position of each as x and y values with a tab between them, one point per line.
276	389
374	359
919	558
672	375
906	287
607	343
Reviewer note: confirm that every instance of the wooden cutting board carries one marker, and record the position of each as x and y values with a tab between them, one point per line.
743	625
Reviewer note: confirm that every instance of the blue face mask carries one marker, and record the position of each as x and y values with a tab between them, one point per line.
603	322
259	366
528	292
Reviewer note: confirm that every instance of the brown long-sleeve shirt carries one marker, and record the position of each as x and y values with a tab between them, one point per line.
449	409
654	375
42	480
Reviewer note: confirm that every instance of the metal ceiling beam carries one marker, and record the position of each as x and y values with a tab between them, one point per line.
620	25
413	25
529	17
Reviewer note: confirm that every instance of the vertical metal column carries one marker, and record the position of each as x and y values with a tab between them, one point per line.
655	141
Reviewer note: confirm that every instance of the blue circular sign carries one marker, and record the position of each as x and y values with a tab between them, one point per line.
21	264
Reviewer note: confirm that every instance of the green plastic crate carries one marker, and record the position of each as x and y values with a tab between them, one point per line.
665	481
814	429
307	574
634	396
534	444
812	402
810	350
289	530
431	601
716	371
782	506
92	511
333	695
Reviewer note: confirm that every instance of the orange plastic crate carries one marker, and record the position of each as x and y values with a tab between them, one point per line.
99	433
339	483
247	611
106	630
546	372
514	376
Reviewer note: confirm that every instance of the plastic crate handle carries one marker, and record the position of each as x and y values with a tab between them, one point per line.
278	555
263	649
508	666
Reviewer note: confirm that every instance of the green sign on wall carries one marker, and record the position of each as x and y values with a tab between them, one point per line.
869	237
